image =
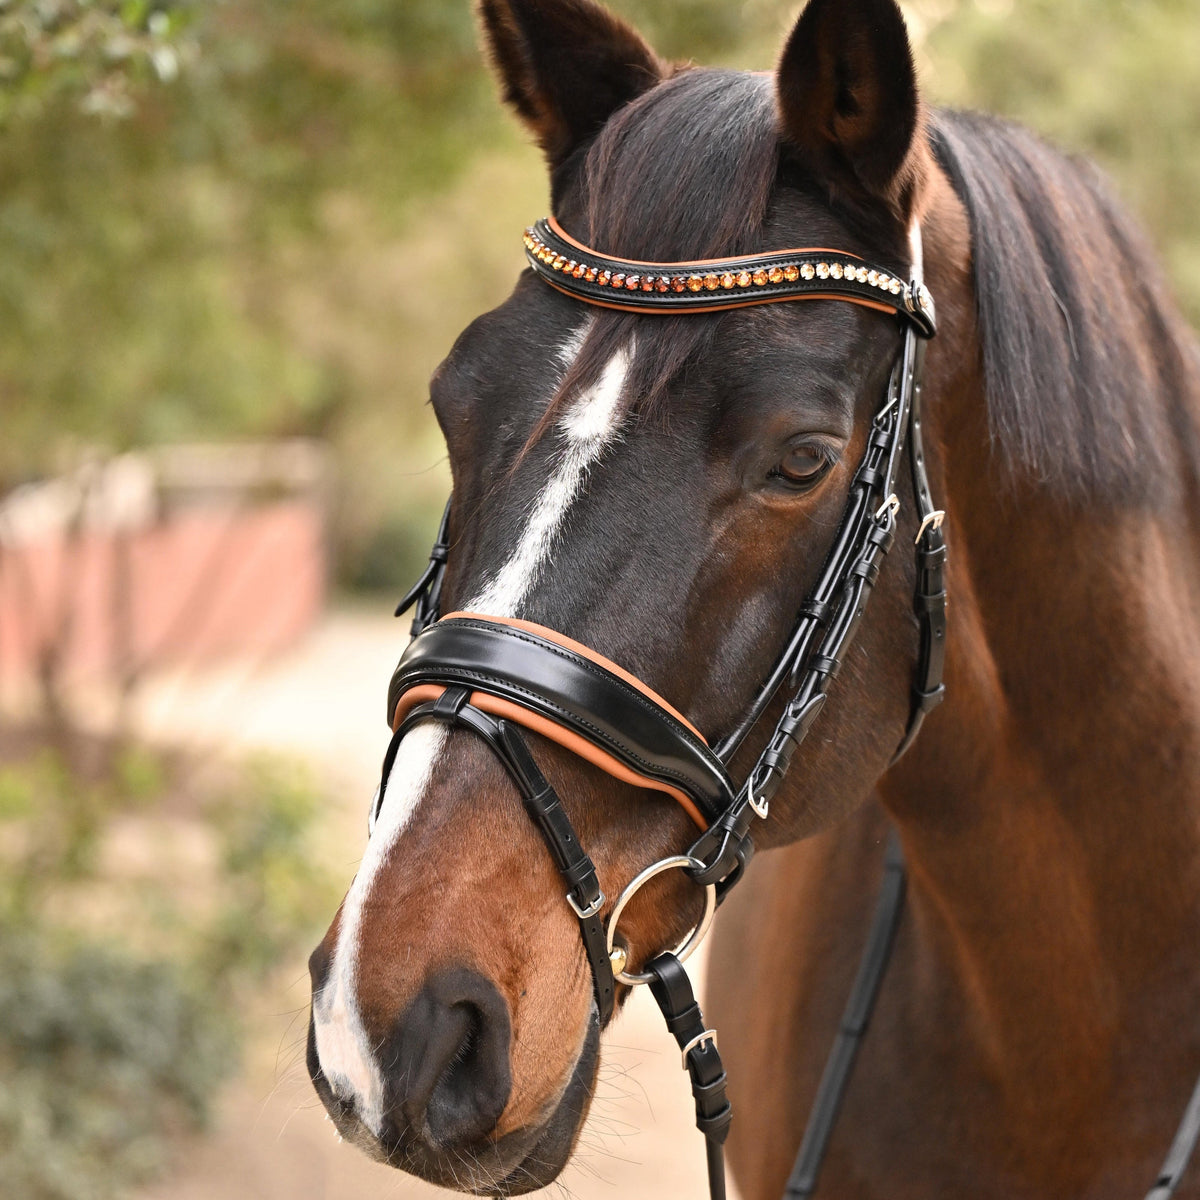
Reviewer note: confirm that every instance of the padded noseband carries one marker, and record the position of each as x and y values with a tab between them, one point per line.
570	694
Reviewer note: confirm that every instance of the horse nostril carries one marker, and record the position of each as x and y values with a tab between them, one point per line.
446	1064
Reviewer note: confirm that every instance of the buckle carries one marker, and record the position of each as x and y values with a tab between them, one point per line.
931	520
592	909
707	1038
891	506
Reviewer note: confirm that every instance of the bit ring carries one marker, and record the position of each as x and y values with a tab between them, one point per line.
689	943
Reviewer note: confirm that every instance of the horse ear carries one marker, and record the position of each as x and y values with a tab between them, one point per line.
848	101
566	66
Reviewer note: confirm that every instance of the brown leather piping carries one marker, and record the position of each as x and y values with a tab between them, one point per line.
698	263
749	302
497	706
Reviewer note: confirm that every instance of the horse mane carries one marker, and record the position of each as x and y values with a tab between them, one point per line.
1091	374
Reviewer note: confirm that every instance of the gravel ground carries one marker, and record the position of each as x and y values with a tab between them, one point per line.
270	1139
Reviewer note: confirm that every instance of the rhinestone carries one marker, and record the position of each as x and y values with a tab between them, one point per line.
775	274
873	278
679	283
895	287
823	270
695	282
861	274
792	272
836	271
662	283
728	279
760	278
590	275
559	262
648	283
633	282
744	279
712	282
580	270
808	270
618	280
604	278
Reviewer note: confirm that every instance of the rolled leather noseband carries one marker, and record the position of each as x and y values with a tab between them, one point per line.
538	678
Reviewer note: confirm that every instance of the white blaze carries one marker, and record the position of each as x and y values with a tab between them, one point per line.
588	427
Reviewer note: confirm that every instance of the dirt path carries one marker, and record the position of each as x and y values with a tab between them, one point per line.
270	1139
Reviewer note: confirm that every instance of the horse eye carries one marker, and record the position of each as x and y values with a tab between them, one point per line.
802	465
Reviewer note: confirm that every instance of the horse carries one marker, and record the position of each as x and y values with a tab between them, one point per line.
658	492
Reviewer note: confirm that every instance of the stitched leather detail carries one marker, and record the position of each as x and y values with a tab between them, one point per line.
580	695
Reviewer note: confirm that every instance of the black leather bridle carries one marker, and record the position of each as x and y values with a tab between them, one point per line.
496	675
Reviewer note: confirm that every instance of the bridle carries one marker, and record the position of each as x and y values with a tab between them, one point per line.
499	676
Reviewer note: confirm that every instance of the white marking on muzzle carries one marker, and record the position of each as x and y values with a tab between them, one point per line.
588	426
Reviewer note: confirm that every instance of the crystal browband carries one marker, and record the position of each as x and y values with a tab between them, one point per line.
713	285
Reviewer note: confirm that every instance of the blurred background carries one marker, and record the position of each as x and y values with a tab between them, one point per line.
217	472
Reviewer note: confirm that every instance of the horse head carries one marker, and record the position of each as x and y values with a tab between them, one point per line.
663	491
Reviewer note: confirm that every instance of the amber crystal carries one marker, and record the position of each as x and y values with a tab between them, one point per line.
775	274
695	282
744	279
604	278
580	270
712	282
728	279
792	272
633	282
679	283
618	280
648	283
590	275
662	284
559	262
760	277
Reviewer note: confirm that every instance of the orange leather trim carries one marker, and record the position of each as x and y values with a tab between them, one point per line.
697	263
659	311
579	746
561	639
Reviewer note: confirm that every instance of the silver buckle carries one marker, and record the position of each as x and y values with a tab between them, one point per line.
592	909
760	807
891	506
708	1036
932	520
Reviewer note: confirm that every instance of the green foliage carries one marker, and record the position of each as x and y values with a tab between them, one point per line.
120	990
100	1054
273	885
99	53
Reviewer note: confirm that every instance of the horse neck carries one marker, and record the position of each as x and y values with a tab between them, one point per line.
1050	809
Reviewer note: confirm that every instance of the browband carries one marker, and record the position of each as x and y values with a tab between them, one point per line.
716	284
538	678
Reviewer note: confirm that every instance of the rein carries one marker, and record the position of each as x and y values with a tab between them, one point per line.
499	676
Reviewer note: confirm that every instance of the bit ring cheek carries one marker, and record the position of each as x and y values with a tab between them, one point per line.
618	955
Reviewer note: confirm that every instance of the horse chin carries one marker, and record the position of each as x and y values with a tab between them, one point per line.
519	1162
541	1162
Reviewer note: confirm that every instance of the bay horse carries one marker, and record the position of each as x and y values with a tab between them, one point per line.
648	497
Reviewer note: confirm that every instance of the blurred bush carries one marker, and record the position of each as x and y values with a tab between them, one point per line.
241	254
143	900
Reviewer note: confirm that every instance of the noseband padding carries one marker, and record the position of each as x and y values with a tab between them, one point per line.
538	678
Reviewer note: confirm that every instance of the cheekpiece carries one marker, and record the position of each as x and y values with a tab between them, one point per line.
716	284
